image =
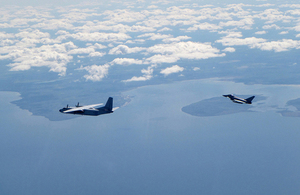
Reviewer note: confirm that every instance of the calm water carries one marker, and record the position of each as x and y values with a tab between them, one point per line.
151	147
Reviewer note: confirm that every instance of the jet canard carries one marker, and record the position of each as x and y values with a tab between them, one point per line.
240	100
92	110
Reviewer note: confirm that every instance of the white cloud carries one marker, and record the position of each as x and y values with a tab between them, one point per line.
96	36
96	26
296	28
126	61
279	46
152	7
263	44
124	49
204	26
162	59
147	75
284	32
165	38
156	21
141	78
291	5
136	41
82	50
273	15
260	32
176	39
76	15
245	23
231	33
99	46
229	49
169	53
97	54
96	73
265	5
118	16
6	42
40	33
171	70
294	12
54	24
4	35
53	56
21	67
148	71
164	29
196	69
154	36
271	26
34	36
250	41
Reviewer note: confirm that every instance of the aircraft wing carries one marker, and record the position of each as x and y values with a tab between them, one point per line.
92	106
79	109
83	108
238	101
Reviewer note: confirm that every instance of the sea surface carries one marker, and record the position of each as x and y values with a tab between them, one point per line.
150	146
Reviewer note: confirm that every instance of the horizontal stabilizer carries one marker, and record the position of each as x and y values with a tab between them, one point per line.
115	108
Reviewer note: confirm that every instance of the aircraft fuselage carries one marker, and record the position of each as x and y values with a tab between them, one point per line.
91	110
240	100
95	112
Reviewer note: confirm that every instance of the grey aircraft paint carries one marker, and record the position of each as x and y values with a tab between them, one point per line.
240	100
91	110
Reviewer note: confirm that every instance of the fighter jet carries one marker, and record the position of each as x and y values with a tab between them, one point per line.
240	100
92	110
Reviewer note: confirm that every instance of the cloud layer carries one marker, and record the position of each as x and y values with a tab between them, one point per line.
152	35
171	70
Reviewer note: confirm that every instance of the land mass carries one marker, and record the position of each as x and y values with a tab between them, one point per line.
295	103
218	106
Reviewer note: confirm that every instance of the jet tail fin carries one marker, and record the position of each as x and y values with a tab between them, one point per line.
249	100
109	104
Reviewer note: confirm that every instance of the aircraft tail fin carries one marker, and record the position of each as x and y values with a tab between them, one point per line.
249	100
109	104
